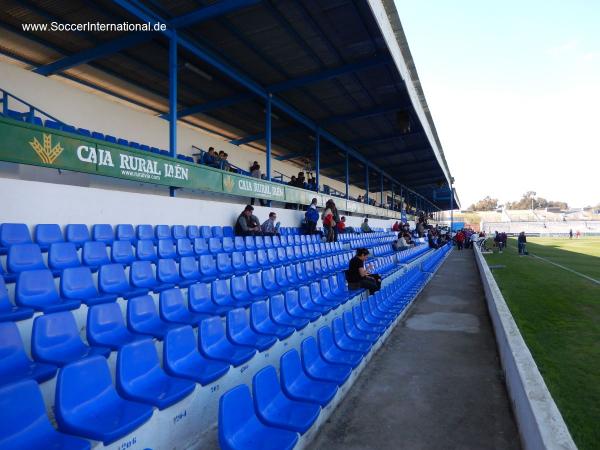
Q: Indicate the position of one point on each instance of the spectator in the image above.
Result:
(522, 243)
(359, 277)
(365, 228)
(433, 240)
(269, 228)
(255, 173)
(460, 239)
(247, 224)
(341, 225)
(401, 243)
(336, 220)
(328, 222)
(571, 234)
(421, 228)
(210, 158)
(359, 199)
(312, 217)
(396, 226)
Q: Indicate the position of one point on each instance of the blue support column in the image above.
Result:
(173, 100)
(347, 176)
(366, 183)
(318, 158)
(451, 208)
(268, 140)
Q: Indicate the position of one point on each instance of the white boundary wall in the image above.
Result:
(540, 423)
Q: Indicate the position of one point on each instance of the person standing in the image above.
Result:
(255, 173)
(571, 233)
(522, 243)
(312, 217)
(328, 222)
(460, 239)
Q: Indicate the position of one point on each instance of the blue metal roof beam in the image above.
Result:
(210, 12)
(288, 85)
(216, 61)
(108, 48)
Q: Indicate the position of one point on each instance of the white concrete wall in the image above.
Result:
(36, 202)
(99, 112)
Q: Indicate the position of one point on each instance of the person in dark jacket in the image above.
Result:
(522, 243)
(247, 224)
(360, 277)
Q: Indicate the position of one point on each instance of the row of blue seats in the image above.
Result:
(47, 234)
(55, 339)
(280, 409)
(436, 259)
(85, 389)
(359, 234)
(36, 289)
(63, 255)
(410, 254)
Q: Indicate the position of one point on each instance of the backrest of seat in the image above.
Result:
(122, 252)
(171, 302)
(95, 254)
(112, 278)
(265, 387)
(63, 255)
(178, 343)
(12, 353)
(145, 232)
(135, 360)
(103, 233)
(162, 232)
(77, 283)
(51, 330)
(178, 232)
(214, 245)
(166, 248)
(125, 232)
(198, 293)
(142, 274)
(235, 408)
(239, 243)
(24, 257)
(228, 231)
(205, 232)
(250, 244)
(36, 287)
(48, 233)
(217, 231)
(13, 233)
(166, 271)
(145, 250)
(228, 245)
(193, 232)
(210, 331)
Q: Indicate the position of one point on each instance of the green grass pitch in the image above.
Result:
(558, 314)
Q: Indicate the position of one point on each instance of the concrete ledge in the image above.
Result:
(540, 423)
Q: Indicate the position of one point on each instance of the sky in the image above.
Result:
(514, 90)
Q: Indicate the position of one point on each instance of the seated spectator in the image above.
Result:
(225, 164)
(359, 277)
(341, 225)
(247, 224)
(269, 228)
(402, 243)
(396, 226)
(210, 158)
(365, 226)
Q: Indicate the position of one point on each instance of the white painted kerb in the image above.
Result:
(541, 425)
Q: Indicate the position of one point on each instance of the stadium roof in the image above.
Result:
(341, 67)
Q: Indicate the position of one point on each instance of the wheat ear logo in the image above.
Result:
(46, 152)
(228, 183)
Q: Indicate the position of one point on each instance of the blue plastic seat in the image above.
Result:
(98, 135)
(122, 252)
(255, 286)
(282, 255)
(274, 408)
(273, 258)
(27, 426)
(281, 278)
(77, 283)
(162, 232)
(36, 289)
(167, 274)
(184, 248)
(141, 275)
(15, 365)
(356, 333)
(22, 257)
(368, 325)
(228, 244)
(55, 340)
(166, 249)
(142, 318)
(317, 296)
(126, 232)
(145, 232)
(249, 243)
(213, 343)
(140, 377)
(261, 322)
(216, 231)
(306, 301)
(11, 234)
(262, 259)
(269, 281)
(47, 234)
(77, 233)
(228, 232)
(239, 244)
(113, 280)
(200, 301)
(281, 316)
(95, 255)
(240, 332)
(214, 245)
(106, 328)
(63, 255)
(188, 271)
(346, 342)
(292, 275)
(224, 265)
(181, 358)
(318, 368)
(259, 242)
(8, 311)
(240, 428)
(239, 291)
(84, 390)
(294, 308)
(123, 142)
(178, 232)
(297, 385)
(201, 246)
(205, 232)
(208, 268)
(173, 309)
(238, 263)
(298, 253)
(193, 232)
(103, 233)
(334, 354)
(145, 250)
(251, 261)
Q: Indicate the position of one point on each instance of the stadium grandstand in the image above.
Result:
(136, 314)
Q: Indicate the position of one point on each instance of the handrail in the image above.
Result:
(32, 109)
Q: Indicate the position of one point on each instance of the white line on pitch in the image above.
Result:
(593, 280)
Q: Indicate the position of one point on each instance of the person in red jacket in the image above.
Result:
(460, 239)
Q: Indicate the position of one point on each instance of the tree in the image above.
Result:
(486, 204)
(530, 200)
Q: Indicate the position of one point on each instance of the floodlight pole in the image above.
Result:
(173, 100)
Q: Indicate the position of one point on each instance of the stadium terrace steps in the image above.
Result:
(174, 339)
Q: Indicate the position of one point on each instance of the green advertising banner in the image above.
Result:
(23, 143)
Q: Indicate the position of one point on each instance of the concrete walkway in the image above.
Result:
(436, 383)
